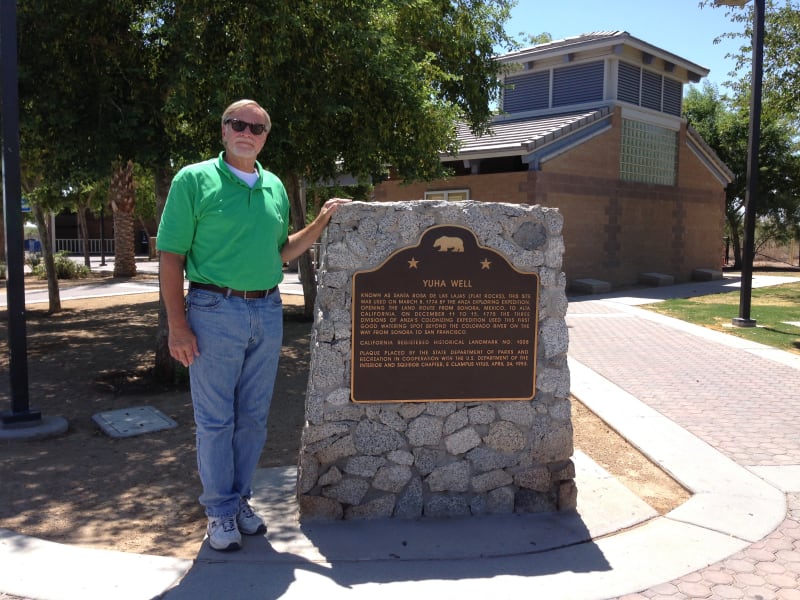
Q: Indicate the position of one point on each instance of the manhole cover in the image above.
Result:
(127, 422)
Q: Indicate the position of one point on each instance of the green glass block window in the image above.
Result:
(649, 153)
(449, 195)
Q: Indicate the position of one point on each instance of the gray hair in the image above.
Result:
(242, 103)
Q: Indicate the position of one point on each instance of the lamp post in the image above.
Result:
(20, 411)
(20, 422)
(753, 144)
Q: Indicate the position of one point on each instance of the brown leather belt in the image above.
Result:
(253, 294)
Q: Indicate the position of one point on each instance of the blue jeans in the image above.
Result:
(232, 381)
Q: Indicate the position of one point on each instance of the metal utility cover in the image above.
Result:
(127, 422)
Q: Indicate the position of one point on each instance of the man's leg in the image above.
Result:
(222, 329)
(256, 384)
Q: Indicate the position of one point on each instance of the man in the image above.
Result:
(225, 223)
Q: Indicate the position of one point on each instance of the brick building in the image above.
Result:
(592, 125)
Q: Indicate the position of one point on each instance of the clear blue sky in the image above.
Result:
(678, 26)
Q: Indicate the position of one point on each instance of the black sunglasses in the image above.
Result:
(237, 125)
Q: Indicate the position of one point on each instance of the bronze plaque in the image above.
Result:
(445, 320)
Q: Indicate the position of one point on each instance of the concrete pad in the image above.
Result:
(643, 557)
(655, 553)
(605, 506)
(36, 568)
(136, 420)
(589, 286)
(786, 479)
(656, 279)
(46, 427)
(706, 274)
(745, 517)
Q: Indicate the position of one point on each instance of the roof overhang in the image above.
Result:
(594, 42)
(521, 137)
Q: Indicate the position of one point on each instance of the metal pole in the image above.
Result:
(102, 237)
(12, 213)
(751, 195)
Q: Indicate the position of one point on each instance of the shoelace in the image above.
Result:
(245, 509)
(228, 524)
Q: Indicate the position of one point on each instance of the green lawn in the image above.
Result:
(773, 308)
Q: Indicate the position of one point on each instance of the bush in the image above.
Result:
(33, 260)
(65, 267)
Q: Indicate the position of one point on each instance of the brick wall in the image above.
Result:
(497, 187)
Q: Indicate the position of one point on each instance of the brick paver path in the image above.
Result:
(746, 406)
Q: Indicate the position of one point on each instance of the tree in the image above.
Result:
(724, 125)
(92, 111)
(781, 53)
(351, 87)
(43, 197)
(536, 40)
(83, 199)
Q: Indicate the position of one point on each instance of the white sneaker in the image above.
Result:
(248, 521)
(223, 534)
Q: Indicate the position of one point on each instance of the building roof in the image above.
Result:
(537, 138)
(600, 39)
(523, 136)
(708, 156)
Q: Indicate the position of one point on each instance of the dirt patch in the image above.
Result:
(611, 451)
(139, 494)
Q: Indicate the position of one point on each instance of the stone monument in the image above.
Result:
(439, 383)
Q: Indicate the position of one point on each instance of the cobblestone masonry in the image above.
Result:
(408, 460)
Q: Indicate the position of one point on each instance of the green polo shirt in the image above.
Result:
(231, 234)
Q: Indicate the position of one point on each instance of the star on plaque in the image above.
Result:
(486, 264)
(412, 264)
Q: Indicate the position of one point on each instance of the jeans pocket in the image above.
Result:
(202, 300)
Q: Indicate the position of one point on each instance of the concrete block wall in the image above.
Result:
(435, 459)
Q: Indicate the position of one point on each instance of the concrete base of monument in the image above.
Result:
(605, 506)
(473, 554)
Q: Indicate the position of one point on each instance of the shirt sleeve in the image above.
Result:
(176, 229)
(285, 215)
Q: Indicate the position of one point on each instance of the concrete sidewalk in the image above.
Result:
(719, 414)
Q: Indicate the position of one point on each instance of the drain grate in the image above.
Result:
(127, 422)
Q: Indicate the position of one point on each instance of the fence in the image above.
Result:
(75, 246)
(779, 254)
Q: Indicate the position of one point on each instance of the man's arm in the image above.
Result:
(182, 342)
(302, 240)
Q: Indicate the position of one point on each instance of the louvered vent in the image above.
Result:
(578, 84)
(651, 90)
(530, 92)
(628, 83)
(673, 93)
